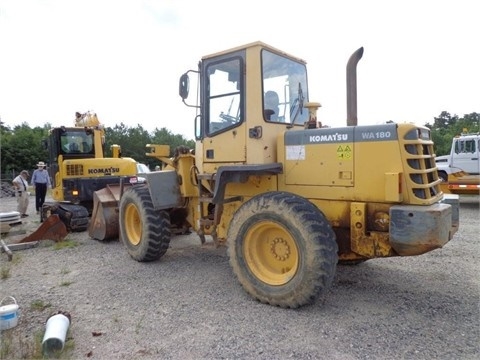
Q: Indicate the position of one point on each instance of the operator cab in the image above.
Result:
(71, 143)
(75, 143)
(68, 144)
(248, 96)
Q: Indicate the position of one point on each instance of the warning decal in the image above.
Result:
(344, 152)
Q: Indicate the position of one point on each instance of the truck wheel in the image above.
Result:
(282, 249)
(143, 230)
(443, 175)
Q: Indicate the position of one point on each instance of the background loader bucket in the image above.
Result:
(104, 220)
(51, 229)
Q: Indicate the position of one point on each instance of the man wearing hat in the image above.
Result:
(40, 181)
(21, 184)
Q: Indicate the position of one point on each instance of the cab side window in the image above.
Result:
(224, 95)
(284, 84)
(465, 146)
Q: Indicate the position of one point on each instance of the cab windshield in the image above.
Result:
(76, 142)
(284, 88)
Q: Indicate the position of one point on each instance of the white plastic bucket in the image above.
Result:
(55, 333)
(8, 314)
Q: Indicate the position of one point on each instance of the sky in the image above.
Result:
(122, 59)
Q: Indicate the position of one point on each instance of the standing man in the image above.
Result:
(21, 184)
(40, 181)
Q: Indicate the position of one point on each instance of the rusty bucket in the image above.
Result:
(51, 229)
(104, 223)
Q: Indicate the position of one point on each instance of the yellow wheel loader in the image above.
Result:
(79, 169)
(290, 197)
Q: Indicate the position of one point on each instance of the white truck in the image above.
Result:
(460, 170)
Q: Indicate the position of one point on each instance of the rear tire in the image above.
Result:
(282, 249)
(143, 230)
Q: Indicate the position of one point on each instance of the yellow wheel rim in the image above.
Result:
(271, 253)
(133, 224)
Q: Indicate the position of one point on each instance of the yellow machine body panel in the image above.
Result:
(92, 171)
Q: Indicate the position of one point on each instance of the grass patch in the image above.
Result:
(5, 272)
(16, 346)
(66, 244)
(39, 305)
(5, 269)
(66, 283)
(17, 259)
(69, 346)
(138, 326)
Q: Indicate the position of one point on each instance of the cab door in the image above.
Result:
(224, 116)
(466, 155)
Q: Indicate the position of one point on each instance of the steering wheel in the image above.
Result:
(229, 119)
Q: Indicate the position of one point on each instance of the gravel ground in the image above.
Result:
(188, 305)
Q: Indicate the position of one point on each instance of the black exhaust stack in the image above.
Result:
(352, 87)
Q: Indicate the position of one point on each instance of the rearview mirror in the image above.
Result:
(184, 86)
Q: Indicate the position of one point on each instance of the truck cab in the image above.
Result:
(464, 156)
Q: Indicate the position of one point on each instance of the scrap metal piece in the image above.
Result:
(7, 250)
(52, 228)
(22, 246)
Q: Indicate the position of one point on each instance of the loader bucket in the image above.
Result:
(51, 229)
(104, 222)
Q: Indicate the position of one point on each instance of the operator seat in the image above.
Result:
(272, 102)
(86, 147)
(74, 148)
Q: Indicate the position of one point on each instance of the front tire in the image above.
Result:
(144, 231)
(282, 249)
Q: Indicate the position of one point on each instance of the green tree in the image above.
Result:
(21, 148)
(133, 141)
(166, 137)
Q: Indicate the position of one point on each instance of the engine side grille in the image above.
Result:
(422, 177)
(75, 170)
